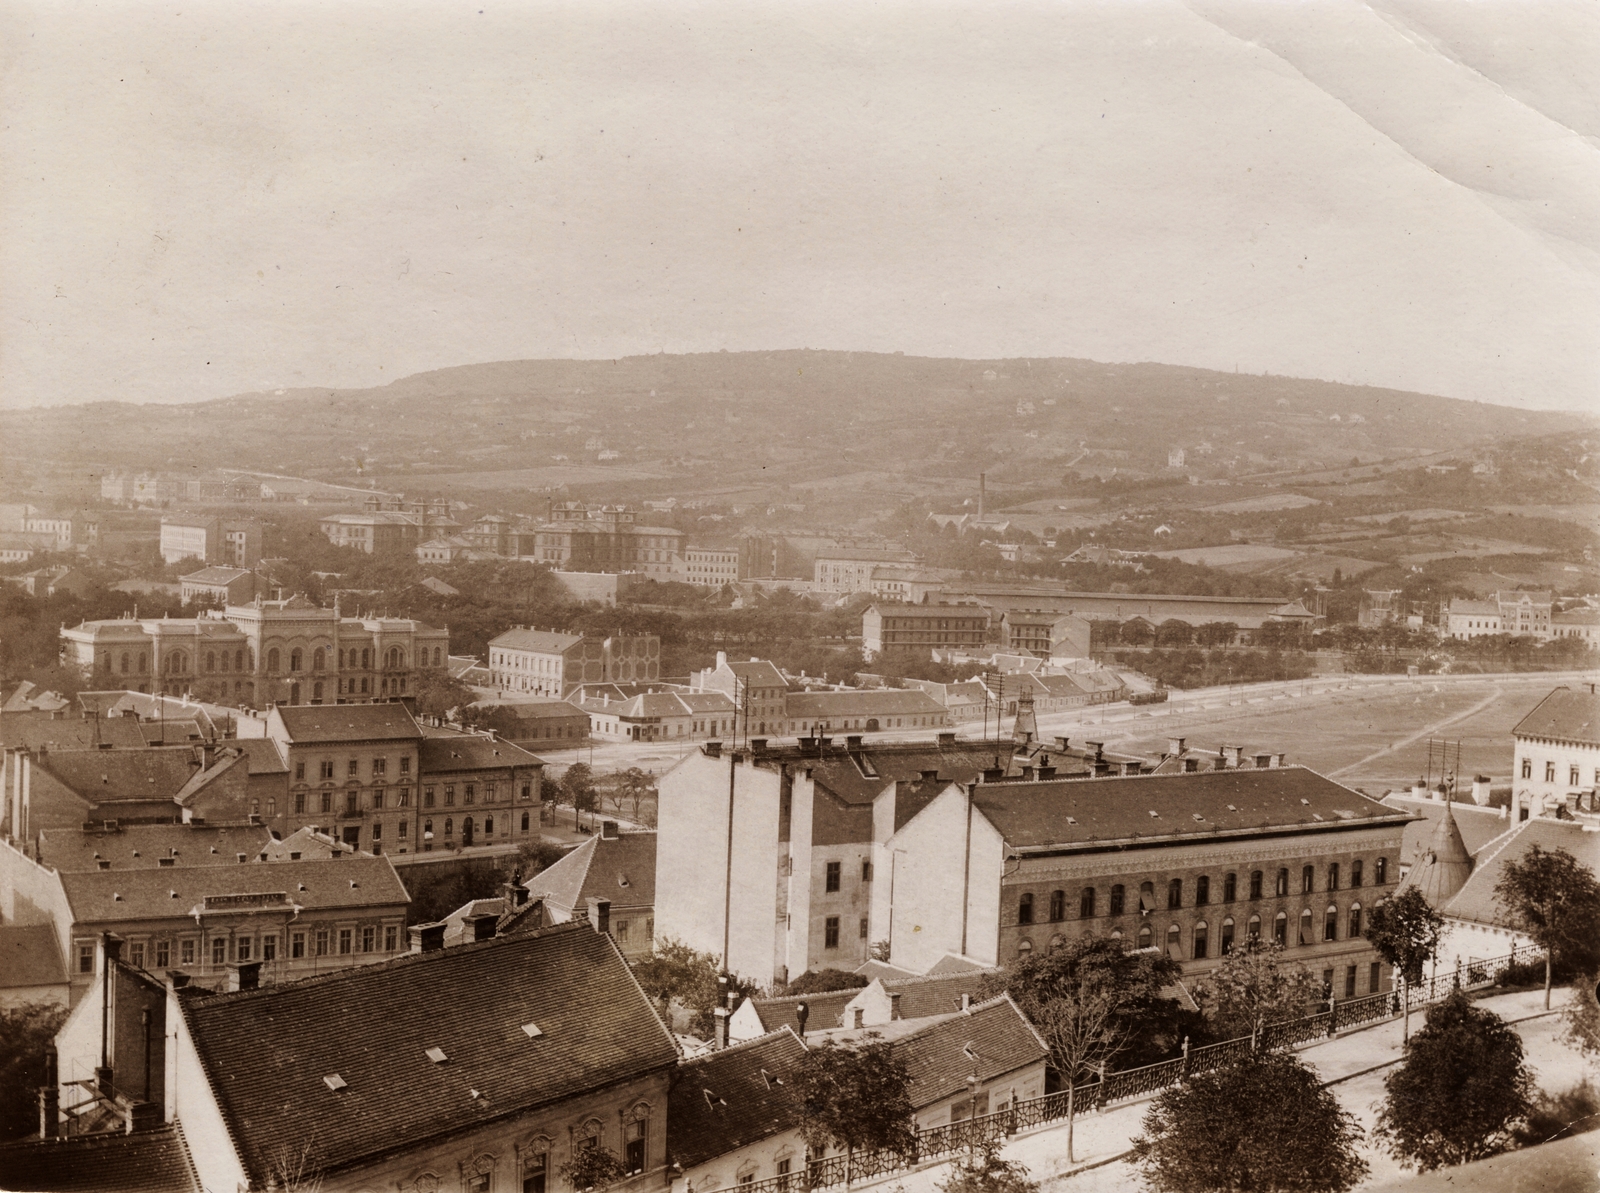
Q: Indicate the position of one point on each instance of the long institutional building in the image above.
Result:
(289, 651)
(961, 848)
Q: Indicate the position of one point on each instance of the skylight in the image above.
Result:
(437, 1056)
(531, 1030)
(334, 1082)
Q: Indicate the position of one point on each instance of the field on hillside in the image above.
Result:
(1375, 740)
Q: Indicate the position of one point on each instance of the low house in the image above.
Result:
(220, 585)
(611, 880)
(483, 1068)
(973, 1062)
(882, 1000)
(733, 1115)
(871, 711)
(548, 724)
(629, 712)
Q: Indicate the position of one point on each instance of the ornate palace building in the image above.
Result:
(289, 651)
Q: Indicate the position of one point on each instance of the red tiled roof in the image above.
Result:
(731, 1098)
(939, 1058)
(266, 1052)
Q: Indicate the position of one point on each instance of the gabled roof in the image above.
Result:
(734, 1097)
(155, 772)
(436, 585)
(107, 896)
(1460, 607)
(621, 869)
(34, 728)
(471, 751)
(1085, 812)
(267, 1053)
(111, 1162)
(822, 1010)
(1476, 902)
(858, 778)
(225, 761)
(141, 846)
(543, 641)
(263, 753)
(992, 1039)
(346, 722)
(214, 575)
(758, 673)
(1566, 714)
(30, 955)
(537, 710)
(936, 994)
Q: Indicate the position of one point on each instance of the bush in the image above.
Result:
(820, 981)
(985, 1172)
(1571, 1112)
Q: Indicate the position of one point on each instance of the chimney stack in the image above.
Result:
(1099, 748)
(608, 830)
(713, 749)
(947, 741)
(758, 745)
(427, 938)
(50, 1098)
(1233, 756)
(1175, 745)
(1480, 790)
(721, 1015)
(246, 975)
(983, 485)
(600, 915)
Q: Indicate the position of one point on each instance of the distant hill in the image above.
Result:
(777, 417)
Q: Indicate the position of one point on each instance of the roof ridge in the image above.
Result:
(939, 977)
(764, 1038)
(852, 990)
(937, 1021)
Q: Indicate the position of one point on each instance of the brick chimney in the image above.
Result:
(427, 938)
(608, 830)
(600, 915)
(246, 975)
(1233, 756)
(1175, 745)
(483, 925)
(713, 749)
(947, 741)
(722, 1015)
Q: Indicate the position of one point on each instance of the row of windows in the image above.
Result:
(1200, 934)
(158, 953)
(1087, 896)
(830, 931)
(1574, 772)
(835, 871)
(352, 768)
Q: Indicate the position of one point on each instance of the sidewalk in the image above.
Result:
(1354, 1065)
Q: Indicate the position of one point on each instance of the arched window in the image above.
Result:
(1145, 935)
(1333, 876)
(1058, 906)
(536, 1165)
(1282, 887)
(449, 826)
(318, 658)
(1086, 903)
(1254, 928)
(1024, 948)
(124, 665)
(1147, 898)
(1174, 893)
(1200, 942)
(1255, 884)
(1308, 879)
(1330, 923)
(222, 661)
(1380, 871)
(1305, 927)
(366, 659)
(524, 822)
(272, 661)
(1116, 934)
(1230, 888)
(238, 660)
(1355, 921)
(1025, 908)
(144, 663)
(1527, 768)
(341, 660)
(272, 806)
(1227, 936)
(316, 691)
(1175, 942)
(295, 659)
(1355, 873)
(1118, 896)
(435, 656)
(1280, 928)
(211, 660)
(397, 658)
(1202, 890)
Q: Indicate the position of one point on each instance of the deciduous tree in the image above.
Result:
(1557, 900)
(593, 1166)
(1254, 985)
(1405, 929)
(855, 1096)
(26, 1032)
(1460, 1090)
(1265, 1125)
(983, 1171)
(577, 789)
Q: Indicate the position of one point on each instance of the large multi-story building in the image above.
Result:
(707, 567)
(923, 628)
(1524, 613)
(851, 569)
(1192, 863)
(1557, 753)
(1583, 624)
(601, 538)
(289, 651)
(211, 540)
(550, 663)
(1466, 619)
(1045, 635)
(758, 691)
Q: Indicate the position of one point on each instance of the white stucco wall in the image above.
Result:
(928, 884)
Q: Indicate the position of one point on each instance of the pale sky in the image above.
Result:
(199, 199)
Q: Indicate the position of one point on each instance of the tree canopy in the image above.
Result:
(855, 1096)
(1460, 1090)
(1265, 1125)
(818, 981)
(1254, 984)
(26, 1032)
(1405, 930)
(1557, 901)
(675, 972)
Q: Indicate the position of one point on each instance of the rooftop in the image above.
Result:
(305, 723)
(874, 703)
(154, 772)
(531, 1021)
(734, 1097)
(991, 1039)
(621, 869)
(471, 751)
(1566, 714)
(1085, 812)
(541, 641)
(215, 575)
(30, 955)
(113, 1162)
(141, 846)
(1476, 901)
(858, 776)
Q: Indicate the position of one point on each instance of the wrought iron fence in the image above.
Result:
(937, 1143)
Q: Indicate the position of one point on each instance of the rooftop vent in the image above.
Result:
(1072, 820)
(1306, 802)
(1231, 808)
(531, 1030)
(334, 1082)
(1199, 817)
(103, 864)
(437, 1056)
(163, 861)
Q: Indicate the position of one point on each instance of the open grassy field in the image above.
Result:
(1375, 740)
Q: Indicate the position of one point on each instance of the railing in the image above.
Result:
(937, 1143)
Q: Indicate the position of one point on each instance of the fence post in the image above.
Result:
(1012, 1128)
(1184, 1072)
(1255, 1037)
(1333, 1015)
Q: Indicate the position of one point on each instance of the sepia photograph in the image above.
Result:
(799, 597)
